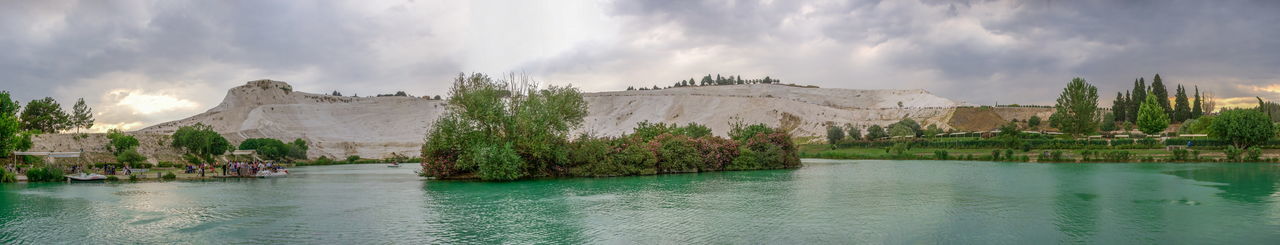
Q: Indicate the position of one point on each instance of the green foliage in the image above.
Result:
(200, 140)
(1151, 118)
(112, 178)
(912, 128)
(1179, 154)
(1033, 122)
(941, 155)
(1182, 109)
(876, 132)
(322, 160)
(1253, 154)
(496, 162)
(81, 115)
(677, 154)
(169, 176)
(741, 132)
(648, 131)
(1161, 94)
(1201, 125)
(353, 158)
(45, 175)
(511, 122)
(835, 134)
(1108, 123)
(133, 178)
(274, 149)
(1233, 153)
(932, 130)
(7, 177)
(166, 164)
(120, 142)
(853, 133)
(130, 156)
(11, 136)
(900, 130)
(899, 149)
(1243, 127)
(1116, 156)
(45, 115)
(1077, 108)
(995, 155)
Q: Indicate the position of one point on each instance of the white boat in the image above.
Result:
(86, 177)
(267, 173)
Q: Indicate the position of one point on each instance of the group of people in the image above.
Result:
(248, 168)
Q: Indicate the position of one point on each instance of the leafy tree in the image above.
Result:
(1243, 127)
(120, 142)
(834, 135)
(853, 133)
(1161, 93)
(1202, 125)
(11, 136)
(1034, 121)
(200, 140)
(1077, 108)
(45, 115)
(1182, 107)
(876, 132)
(1108, 123)
(741, 132)
(502, 130)
(899, 130)
(910, 124)
(81, 115)
(932, 130)
(336, 93)
(1151, 118)
(130, 157)
(1196, 110)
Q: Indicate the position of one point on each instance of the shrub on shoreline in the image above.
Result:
(502, 130)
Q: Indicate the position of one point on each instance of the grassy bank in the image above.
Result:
(1195, 154)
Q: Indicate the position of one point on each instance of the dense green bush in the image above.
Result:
(353, 159)
(1179, 154)
(486, 135)
(7, 177)
(274, 149)
(45, 175)
(941, 155)
(170, 176)
(164, 164)
(1233, 153)
(200, 140)
(1253, 154)
(1116, 156)
(677, 154)
(112, 178)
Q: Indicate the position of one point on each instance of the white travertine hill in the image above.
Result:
(376, 127)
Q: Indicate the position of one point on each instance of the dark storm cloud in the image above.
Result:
(1032, 46)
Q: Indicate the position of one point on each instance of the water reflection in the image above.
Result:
(1244, 182)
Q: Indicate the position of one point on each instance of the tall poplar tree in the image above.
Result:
(1161, 93)
(1118, 107)
(1196, 110)
(1139, 96)
(1182, 107)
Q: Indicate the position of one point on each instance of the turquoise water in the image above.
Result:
(824, 202)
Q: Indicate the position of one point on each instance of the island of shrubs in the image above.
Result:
(510, 129)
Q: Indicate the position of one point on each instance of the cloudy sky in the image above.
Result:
(144, 62)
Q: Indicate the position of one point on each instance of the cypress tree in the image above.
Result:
(1129, 104)
(1161, 93)
(1119, 106)
(1196, 111)
(1182, 109)
(1139, 96)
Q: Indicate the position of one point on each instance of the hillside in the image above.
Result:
(376, 127)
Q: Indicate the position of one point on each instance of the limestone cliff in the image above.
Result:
(376, 127)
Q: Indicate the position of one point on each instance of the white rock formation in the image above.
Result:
(376, 127)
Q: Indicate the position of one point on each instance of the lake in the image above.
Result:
(827, 201)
